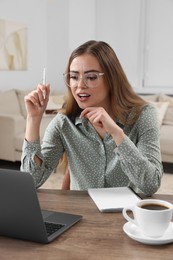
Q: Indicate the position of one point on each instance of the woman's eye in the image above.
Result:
(74, 77)
(91, 77)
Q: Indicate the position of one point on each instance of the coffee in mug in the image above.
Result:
(152, 216)
(153, 206)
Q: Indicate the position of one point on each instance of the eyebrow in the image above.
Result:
(77, 72)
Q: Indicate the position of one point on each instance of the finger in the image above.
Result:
(47, 91)
(83, 113)
(41, 89)
(86, 111)
(31, 98)
(43, 93)
(95, 119)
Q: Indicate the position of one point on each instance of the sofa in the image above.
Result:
(13, 120)
(164, 106)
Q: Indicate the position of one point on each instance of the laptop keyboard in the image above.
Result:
(52, 227)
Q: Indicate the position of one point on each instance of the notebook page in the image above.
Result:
(113, 199)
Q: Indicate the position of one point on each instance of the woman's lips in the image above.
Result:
(83, 96)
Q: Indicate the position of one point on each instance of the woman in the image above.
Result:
(109, 134)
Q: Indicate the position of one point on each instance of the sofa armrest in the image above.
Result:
(18, 122)
(10, 126)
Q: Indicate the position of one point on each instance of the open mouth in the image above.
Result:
(83, 96)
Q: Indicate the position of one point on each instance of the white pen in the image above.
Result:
(44, 76)
(44, 81)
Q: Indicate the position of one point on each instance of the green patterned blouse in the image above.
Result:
(96, 162)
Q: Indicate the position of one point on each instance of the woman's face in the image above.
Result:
(91, 91)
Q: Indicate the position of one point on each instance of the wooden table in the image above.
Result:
(97, 236)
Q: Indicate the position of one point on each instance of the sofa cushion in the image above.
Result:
(44, 123)
(9, 103)
(161, 105)
(161, 108)
(168, 118)
(55, 102)
(18, 141)
(21, 94)
(166, 141)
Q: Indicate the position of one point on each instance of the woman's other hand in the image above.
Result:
(103, 123)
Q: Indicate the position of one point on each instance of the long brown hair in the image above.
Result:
(122, 96)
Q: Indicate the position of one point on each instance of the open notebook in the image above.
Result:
(113, 199)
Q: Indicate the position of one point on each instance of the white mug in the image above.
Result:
(152, 216)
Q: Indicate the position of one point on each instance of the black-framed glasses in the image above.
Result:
(90, 79)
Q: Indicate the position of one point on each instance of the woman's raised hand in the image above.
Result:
(36, 101)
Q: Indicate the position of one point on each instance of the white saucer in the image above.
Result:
(134, 232)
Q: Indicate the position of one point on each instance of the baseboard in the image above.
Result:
(10, 165)
(168, 167)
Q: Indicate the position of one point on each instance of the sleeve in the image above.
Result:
(141, 160)
(50, 152)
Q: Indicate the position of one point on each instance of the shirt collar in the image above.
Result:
(78, 120)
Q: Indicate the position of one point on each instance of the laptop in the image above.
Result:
(20, 213)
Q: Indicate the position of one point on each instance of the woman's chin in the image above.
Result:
(83, 105)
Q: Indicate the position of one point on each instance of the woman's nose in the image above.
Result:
(81, 83)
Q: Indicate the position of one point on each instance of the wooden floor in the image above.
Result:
(55, 180)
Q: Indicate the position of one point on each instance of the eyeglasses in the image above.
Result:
(90, 79)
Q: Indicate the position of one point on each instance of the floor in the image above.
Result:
(55, 180)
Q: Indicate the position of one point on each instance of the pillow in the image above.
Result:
(21, 94)
(55, 102)
(58, 99)
(168, 119)
(161, 108)
(163, 97)
(9, 103)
